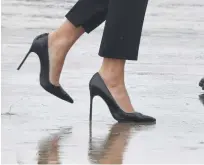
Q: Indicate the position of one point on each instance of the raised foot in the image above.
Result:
(58, 91)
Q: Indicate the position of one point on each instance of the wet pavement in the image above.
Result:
(37, 127)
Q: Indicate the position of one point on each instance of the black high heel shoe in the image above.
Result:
(40, 47)
(201, 83)
(98, 88)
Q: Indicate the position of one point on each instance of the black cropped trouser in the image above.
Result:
(123, 27)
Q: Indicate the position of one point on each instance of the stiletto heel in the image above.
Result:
(19, 67)
(97, 87)
(40, 47)
(92, 95)
(91, 104)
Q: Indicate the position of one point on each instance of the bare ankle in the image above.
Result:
(112, 71)
(67, 33)
(57, 40)
(111, 79)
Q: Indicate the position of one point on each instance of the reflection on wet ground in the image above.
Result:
(111, 149)
(48, 150)
(108, 150)
(163, 83)
(201, 97)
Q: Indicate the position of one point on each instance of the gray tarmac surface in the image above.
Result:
(162, 83)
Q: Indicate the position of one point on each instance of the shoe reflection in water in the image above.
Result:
(201, 83)
(48, 152)
(201, 98)
(111, 151)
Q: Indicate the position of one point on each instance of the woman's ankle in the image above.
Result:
(66, 35)
(55, 41)
(110, 79)
(112, 71)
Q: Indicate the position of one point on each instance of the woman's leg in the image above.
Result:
(59, 43)
(120, 42)
(85, 16)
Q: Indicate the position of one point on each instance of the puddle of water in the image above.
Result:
(163, 83)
